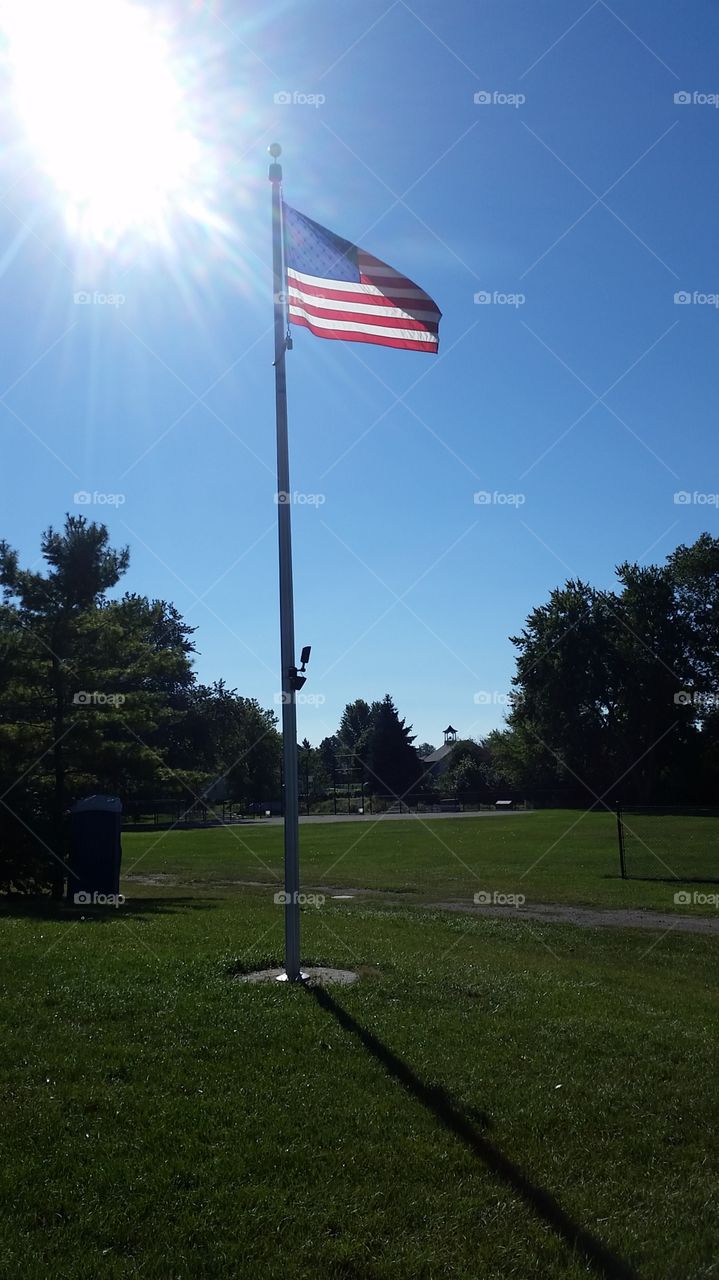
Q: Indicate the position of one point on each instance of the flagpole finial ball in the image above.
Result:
(275, 149)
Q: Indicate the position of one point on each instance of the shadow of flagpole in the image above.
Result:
(446, 1111)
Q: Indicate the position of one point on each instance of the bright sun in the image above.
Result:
(103, 106)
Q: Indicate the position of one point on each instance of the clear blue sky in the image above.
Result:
(403, 583)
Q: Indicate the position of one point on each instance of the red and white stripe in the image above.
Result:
(384, 308)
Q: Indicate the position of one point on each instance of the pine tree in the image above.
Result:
(393, 765)
(86, 683)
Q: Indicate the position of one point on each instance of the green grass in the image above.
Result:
(163, 1120)
(551, 856)
(494, 1098)
(657, 844)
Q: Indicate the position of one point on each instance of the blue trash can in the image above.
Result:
(95, 851)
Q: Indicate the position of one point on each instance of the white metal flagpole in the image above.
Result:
(287, 620)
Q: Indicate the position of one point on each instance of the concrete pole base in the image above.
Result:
(310, 977)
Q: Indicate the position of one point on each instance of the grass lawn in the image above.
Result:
(549, 856)
(492, 1099)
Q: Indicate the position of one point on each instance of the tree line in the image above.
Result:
(615, 696)
(98, 695)
(616, 693)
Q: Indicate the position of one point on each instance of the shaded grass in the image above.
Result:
(163, 1120)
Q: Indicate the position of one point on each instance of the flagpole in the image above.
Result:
(287, 620)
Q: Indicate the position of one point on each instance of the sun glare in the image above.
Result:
(102, 103)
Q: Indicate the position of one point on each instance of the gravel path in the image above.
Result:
(592, 917)
(546, 912)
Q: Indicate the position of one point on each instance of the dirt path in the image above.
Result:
(162, 879)
(546, 912)
(592, 917)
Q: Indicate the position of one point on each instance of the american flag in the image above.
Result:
(339, 291)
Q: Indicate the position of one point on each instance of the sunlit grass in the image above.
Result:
(552, 856)
(162, 1119)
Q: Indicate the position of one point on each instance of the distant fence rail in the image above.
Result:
(181, 813)
(165, 813)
